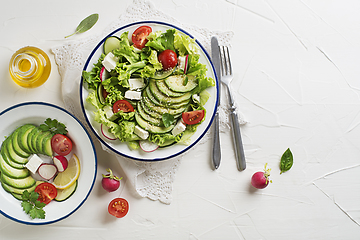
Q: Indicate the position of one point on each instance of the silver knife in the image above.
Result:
(215, 57)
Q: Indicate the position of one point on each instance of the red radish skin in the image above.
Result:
(148, 146)
(105, 132)
(186, 63)
(47, 171)
(110, 182)
(103, 74)
(60, 162)
(260, 180)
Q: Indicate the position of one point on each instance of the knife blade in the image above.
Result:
(216, 151)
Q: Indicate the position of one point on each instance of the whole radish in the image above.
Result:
(261, 179)
(110, 182)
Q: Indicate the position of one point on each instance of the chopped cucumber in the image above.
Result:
(165, 100)
(5, 168)
(176, 83)
(111, 43)
(63, 194)
(163, 74)
(151, 128)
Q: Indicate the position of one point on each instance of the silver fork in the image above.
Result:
(226, 77)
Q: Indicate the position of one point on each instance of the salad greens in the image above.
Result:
(143, 63)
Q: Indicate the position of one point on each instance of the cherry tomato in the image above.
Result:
(61, 144)
(122, 105)
(139, 36)
(193, 117)
(168, 59)
(46, 191)
(118, 207)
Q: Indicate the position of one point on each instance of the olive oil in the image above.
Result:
(30, 67)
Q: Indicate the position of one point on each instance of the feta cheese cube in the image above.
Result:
(109, 112)
(181, 62)
(34, 163)
(141, 132)
(136, 83)
(133, 95)
(109, 61)
(196, 98)
(179, 128)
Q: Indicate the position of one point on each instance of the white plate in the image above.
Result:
(161, 153)
(36, 113)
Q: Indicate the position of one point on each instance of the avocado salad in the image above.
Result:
(150, 87)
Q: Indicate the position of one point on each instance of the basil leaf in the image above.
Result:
(86, 24)
(168, 119)
(286, 161)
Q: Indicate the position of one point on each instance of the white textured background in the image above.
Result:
(297, 69)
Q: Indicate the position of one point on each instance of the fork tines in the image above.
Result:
(226, 68)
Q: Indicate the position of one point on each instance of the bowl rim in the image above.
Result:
(95, 162)
(216, 86)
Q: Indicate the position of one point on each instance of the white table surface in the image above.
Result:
(297, 83)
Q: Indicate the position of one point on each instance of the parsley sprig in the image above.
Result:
(53, 126)
(32, 206)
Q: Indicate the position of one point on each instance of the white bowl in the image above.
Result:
(36, 113)
(121, 148)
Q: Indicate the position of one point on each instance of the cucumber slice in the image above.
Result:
(15, 143)
(46, 145)
(154, 100)
(100, 96)
(63, 194)
(11, 189)
(21, 183)
(161, 110)
(151, 128)
(40, 139)
(30, 137)
(176, 83)
(12, 172)
(148, 111)
(12, 154)
(111, 43)
(147, 117)
(163, 74)
(165, 100)
(23, 136)
(5, 156)
(167, 91)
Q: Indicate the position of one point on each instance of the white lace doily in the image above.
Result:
(150, 179)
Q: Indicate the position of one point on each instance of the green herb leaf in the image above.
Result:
(27, 206)
(186, 79)
(33, 197)
(32, 206)
(286, 161)
(86, 24)
(167, 119)
(39, 204)
(53, 126)
(26, 195)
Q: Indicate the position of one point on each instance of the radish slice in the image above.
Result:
(148, 146)
(47, 171)
(60, 162)
(183, 63)
(186, 63)
(106, 133)
(103, 74)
